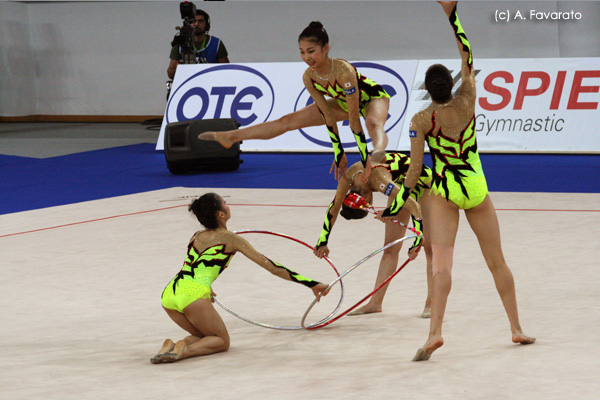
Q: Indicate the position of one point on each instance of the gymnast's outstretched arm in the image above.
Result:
(344, 185)
(464, 48)
(242, 245)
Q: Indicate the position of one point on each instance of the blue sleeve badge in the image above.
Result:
(350, 91)
(388, 189)
(412, 133)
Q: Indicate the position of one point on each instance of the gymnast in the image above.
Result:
(352, 95)
(386, 178)
(187, 298)
(448, 126)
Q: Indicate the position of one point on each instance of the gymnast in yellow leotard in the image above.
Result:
(448, 126)
(187, 297)
(386, 178)
(351, 95)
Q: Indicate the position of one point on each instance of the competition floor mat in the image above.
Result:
(81, 311)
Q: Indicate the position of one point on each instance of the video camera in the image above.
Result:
(185, 38)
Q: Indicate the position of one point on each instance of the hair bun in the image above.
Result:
(314, 32)
(316, 24)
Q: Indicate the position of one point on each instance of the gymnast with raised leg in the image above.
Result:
(448, 126)
(386, 178)
(187, 298)
(352, 95)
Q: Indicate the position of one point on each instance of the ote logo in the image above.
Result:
(216, 92)
(393, 84)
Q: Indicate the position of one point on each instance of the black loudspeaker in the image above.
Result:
(185, 153)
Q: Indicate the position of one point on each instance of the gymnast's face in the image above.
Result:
(225, 209)
(312, 53)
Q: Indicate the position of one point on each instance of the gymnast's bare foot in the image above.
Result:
(167, 347)
(522, 338)
(174, 354)
(169, 357)
(366, 309)
(426, 312)
(220, 137)
(425, 352)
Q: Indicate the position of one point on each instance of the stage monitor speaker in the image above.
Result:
(185, 153)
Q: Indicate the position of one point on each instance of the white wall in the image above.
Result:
(110, 58)
(17, 76)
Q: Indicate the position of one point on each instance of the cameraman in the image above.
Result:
(206, 48)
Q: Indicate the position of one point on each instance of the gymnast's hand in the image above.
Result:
(321, 251)
(339, 171)
(448, 6)
(413, 208)
(319, 290)
(379, 216)
(413, 252)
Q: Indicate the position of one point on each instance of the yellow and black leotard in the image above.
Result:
(194, 281)
(368, 90)
(202, 268)
(458, 173)
(397, 164)
(339, 87)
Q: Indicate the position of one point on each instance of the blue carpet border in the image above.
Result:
(30, 183)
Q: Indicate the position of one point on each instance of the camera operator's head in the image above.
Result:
(201, 24)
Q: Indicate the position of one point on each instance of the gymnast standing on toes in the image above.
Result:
(448, 126)
(352, 95)
(385, 178)
(187, 298)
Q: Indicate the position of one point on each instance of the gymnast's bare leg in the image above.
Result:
(208, 333)
(443, 221)
(484, 222)
(424, 201)
(387, 265)
(376, 114)
(390, 258)
(303, 118)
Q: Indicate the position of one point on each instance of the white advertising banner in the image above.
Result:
(253, 93)
(526, 105)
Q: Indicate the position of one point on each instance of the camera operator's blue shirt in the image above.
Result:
(209, 50)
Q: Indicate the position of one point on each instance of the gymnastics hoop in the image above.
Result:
(230, 311)
(321, 324)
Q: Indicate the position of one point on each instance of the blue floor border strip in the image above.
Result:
(29, 183)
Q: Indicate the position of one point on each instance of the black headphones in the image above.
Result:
(206, 18)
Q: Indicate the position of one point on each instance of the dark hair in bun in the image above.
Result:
(205, 208)
(438, 82)
(315, 32)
